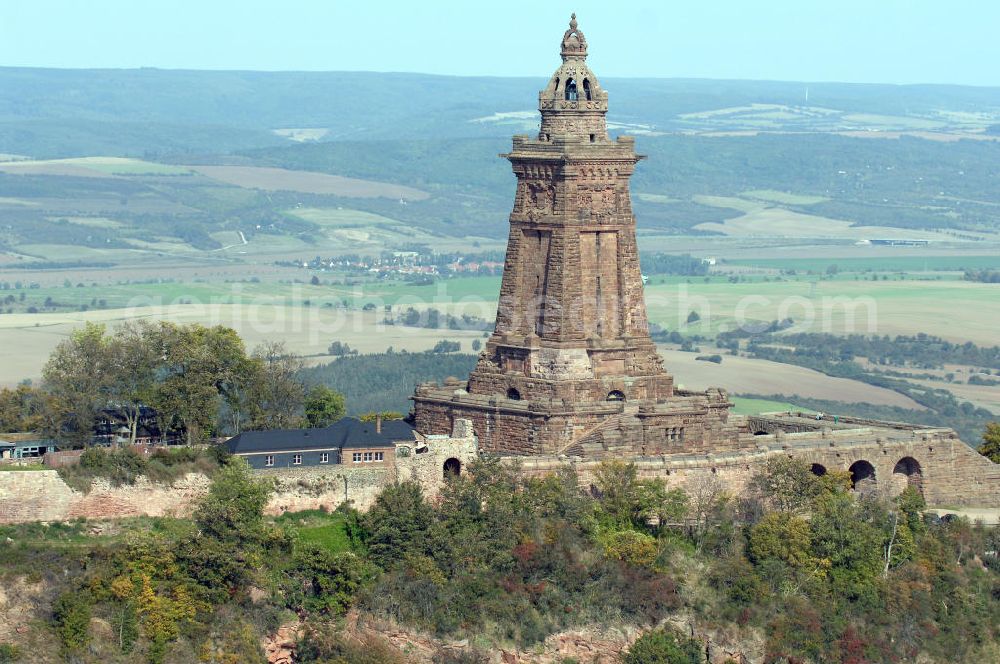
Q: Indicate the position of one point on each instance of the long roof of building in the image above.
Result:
(346, 433)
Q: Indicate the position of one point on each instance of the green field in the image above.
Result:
(878, 263)
(326, 529)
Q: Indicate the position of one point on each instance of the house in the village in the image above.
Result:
(348, 441)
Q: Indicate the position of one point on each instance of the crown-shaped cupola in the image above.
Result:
(573, 103)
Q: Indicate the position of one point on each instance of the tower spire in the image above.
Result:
(573, 103)
(574, 44)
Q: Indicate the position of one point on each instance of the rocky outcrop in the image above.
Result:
(595, 644)
(279, 648)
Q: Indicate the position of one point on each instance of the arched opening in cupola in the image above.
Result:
(586, 89)
(571, 94)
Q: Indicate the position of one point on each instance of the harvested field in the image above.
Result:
(746, 375)
(99, 167)
(280, 179)
(778, 222)
(27, 339)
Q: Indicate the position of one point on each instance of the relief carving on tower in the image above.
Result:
(539, 199)
(600, 201)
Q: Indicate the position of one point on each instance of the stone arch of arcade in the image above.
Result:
(885, 469)
(907, 472)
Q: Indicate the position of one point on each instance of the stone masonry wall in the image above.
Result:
(41, 495)
(950, 472)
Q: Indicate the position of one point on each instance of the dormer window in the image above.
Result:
(571, 90)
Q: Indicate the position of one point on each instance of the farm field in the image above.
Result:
(280, 179)
(752, 376)
(910, 264)
(936, 303)
(355, 231)
(27, 339)
(983, 396)
(91, 167)
(764, 218)
(953, 309)
(781, 223)
(748, 406)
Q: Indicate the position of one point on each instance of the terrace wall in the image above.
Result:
(41, 495)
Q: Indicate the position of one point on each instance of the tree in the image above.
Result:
(274, 393)
(338, 349)
(619, 500)
(853, 546)
(331, 580)
(23, 408)
(200, 366)
(132, 358)
(324, 406)
(445, 346)
(991, 442)
(233, 510)
(786, 484)
(628, 501)
(782, 536)
(398, 524)
(77, 375)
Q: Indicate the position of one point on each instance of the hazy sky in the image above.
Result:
(890, 41)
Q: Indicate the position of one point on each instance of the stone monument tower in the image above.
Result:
(571, 359)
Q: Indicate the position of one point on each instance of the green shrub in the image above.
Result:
(71, 620)
(664, 647)
(9, 653)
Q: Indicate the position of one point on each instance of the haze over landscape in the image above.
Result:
(818, 225)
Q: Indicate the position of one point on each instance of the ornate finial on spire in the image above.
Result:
(574, 45)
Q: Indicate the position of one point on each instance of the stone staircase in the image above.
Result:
(604, 439)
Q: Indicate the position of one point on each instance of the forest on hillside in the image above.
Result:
(799, 568)
(385, 381)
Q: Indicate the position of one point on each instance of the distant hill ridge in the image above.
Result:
(182, 105)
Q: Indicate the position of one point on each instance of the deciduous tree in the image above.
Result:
(323, 406)
(991, 442)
